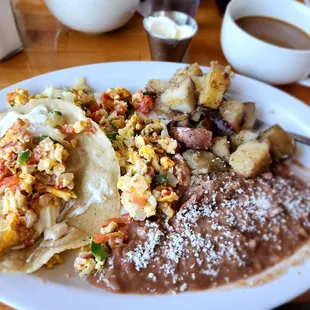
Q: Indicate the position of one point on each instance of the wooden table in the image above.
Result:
(51, 46)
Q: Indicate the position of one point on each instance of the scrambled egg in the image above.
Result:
(168, 144)
(143, 147)
(18, 96)
(13, 202)
(53, 154)
(142, 161)
(32, 177)
(84, 266)
(54, 260)
(79, 126)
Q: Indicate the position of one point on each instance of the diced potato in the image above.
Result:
(251, 158)
(242, 137)
(233, 113)
(180, 98)
(281, 143)
(212, 86)
(162, 109)
(221, 148)
(194, 138)
(249, 117)
(157, 86)
(188, 71)
(203, 162)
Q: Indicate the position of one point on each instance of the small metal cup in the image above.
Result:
(165, 49)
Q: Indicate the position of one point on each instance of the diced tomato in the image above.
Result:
(145, 105)
(68, 130)
(123, 219)
(93, 107)
(107, 101)
(138, 200)
(9, 182)
(11, 97)
(96, 117)
(120, 109)
(166, 192)
(89, 130)
(102, 238)
(16, 132)
(35, 157)
(4, 171)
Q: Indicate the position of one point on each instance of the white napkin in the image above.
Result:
(10, 42)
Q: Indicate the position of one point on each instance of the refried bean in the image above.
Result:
(228, 228)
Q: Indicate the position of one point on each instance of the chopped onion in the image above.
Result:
(172, 180)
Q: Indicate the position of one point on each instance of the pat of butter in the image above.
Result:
(167, 28)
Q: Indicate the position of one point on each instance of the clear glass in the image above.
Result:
(189, 7)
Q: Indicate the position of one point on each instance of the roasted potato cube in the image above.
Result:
(251, 158)
(221, 148)
(194, 138)
(233, 113)
(157, 86)
(180, 98)
(212, 86)
(188, 71)
(282, 145)
(242, 137)
(203, 162)
(249, 117)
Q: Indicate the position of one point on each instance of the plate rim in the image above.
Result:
(31, 80)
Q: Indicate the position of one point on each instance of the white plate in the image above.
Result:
(58, 292)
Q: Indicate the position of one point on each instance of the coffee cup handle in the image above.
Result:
(305, 82)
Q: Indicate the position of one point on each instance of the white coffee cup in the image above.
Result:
(258, 59)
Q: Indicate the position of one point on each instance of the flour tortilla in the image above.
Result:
(93, 163)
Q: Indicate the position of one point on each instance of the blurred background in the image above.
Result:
(49, 45)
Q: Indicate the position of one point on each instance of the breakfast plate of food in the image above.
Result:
(152, 183)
